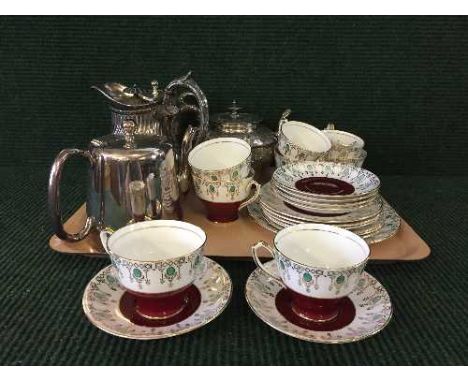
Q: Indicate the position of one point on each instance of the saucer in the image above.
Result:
(326, 181)
(370, 299)
(103, 296)
(270, 199)
(389, 221)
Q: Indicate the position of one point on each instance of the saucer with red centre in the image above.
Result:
(373, 309)
(103, 297)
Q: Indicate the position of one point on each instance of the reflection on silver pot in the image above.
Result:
(131, 178)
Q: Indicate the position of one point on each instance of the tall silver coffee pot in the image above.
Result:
(139, 170)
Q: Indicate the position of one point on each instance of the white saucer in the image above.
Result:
(269, 199)
(102, 295)
(364, 182)
(389, 220)
(371, 300)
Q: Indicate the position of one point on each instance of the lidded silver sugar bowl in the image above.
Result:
(139, 171)
(249, 127)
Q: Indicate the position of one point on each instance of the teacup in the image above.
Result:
(298, 141)
(343, 138)
(319, 264)
(222, 177)
(157, 261)
(346, 147)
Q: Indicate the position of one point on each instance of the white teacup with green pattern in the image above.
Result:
(298, 141)
(346, 147)
(319, 264)
(222, 177)
(156, 261)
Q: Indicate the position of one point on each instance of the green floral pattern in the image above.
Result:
(294, 153)
(226, 184)
(164, 272)
(307, 280)
(345, 154)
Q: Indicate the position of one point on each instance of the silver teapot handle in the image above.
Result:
(183, 165)
(189, 83)
(55, 209)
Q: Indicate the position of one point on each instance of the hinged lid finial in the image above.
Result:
(234, 110)
(155, 88)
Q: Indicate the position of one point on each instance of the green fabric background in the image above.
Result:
(398, 82)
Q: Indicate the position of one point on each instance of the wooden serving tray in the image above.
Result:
(233, 240)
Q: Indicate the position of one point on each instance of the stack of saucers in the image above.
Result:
(323, 192)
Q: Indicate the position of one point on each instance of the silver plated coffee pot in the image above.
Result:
(139, 171)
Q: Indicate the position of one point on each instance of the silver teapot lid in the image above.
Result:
(246, 126)
(130, 97)
(235, 122)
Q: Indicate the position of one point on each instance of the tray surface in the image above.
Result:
(234, 239)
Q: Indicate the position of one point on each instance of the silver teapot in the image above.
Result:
(139, 171)
(249, 127)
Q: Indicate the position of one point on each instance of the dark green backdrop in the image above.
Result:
(399, 82)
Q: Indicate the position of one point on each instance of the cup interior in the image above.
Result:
(220, 153)
(344, 138)
(306, 136)
(156, 240)
(321, 246)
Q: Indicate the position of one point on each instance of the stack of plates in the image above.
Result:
(324, 192)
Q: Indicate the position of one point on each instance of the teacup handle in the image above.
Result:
(254, 249)
(252, 198)
(283, 120)
(105, 234)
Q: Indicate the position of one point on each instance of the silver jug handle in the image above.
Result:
(183, 165)
(189, 83)
(55, 209)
